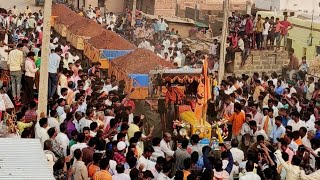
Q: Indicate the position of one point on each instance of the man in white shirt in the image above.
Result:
(268, 122)
(54, 62)
(31, 22)
(162, 27)
(62, 138)
(310, 88)
(250, 175)
(42, 132)
(120, 173)
(144, 159)
(157, 150)
(77, 117)
(257, 130)
(15, 62)
(84, 122)
(53, 121)
(80, 144)
(144, 44)
(165, 145)
(241, 44)
(295, 122)
(237, 154)
(60, 109)
(177, 59)
(164, 175)
(304, 137)
(278, 130)
(214, 47)
(310, 123)
(179, 44)
(166, 44)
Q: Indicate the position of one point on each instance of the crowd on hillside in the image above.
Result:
(93, 131)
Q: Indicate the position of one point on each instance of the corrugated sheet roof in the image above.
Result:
(23, 159)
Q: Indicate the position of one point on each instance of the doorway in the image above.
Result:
(289, 43)
(304, 51)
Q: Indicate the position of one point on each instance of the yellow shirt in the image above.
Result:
(259, 26)
(15, 60)
(23, 125)
(102, 175)
(257, 92)
(132, 129)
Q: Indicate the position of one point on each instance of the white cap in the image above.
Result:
(121, 146)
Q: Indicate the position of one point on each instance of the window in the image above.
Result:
(318, 50)
(304, 51)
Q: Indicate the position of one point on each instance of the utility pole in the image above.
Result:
(134, 9)
(195, 10)
(45, 51)
(225, 30)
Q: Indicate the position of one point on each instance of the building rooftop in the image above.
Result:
(23, 159)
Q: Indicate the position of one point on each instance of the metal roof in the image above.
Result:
(23, 159)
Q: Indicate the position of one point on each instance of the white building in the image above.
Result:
(299, 6)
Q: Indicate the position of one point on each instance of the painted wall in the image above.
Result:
(115, 6)
(300, 34)
(290, 5)
(269, 4)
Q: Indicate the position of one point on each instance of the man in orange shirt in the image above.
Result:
(93, 167)
(237, 119)
(103, 174)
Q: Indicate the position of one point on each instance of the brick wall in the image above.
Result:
(213, 5)
(165, 7)
(260, 61)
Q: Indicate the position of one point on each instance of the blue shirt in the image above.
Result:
(200, 162)
(277, 132)
(284, 121)
(318, 135)
(279, 90)
(155, 27)
(54, 61)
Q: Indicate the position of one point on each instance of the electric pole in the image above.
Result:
(45, 51)
(224, 36)
(134, 9)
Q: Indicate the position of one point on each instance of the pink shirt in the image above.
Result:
(279, 26)
(285, 25)
(249, 26)
(290, 153)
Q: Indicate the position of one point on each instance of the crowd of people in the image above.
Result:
(247, 32)
(145, 32)
(92, 131)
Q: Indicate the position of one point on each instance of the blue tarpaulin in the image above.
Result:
(112, 54)
(141, 80)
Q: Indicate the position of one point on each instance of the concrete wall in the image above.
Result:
(115, 6)
(182, 28)
(261, 61)
(269, 4)
(93, 3)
